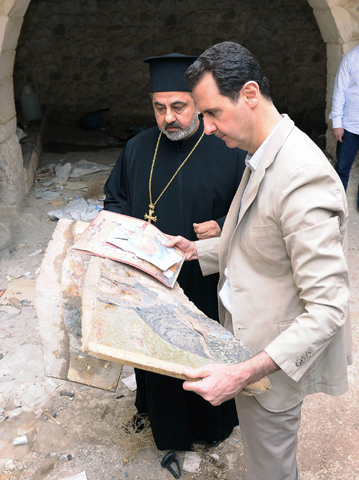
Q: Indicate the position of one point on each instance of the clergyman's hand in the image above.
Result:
(208, 229)
(338, 134)
(186, 246)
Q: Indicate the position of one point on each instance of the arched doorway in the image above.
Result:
(339, 26)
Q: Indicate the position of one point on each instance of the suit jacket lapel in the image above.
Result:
(235, 216)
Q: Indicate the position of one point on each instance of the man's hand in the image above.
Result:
(221, 382)
(208, 229)
(338, 134)
(187, 247)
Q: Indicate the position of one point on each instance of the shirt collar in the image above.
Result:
(252, 161)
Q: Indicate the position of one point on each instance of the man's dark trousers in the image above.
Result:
(346, 153)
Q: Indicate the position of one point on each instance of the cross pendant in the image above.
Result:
(149, 216)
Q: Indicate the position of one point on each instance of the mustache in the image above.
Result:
(173, 124)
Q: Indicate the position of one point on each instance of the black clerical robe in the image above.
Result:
(202, 190)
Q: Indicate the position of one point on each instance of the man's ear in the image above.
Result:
(251, 93)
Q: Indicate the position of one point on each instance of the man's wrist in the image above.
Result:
(192, 254)
(260, 366)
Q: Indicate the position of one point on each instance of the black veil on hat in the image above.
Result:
(167, 72)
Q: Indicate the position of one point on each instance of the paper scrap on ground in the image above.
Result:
(47, 195)
(79, 476)
(75, 185)
(130, 382)
(83, 167)
(145, 247)
(62, 174)
(20, 440)
(191, 462)
(36, 252)
(76, 210)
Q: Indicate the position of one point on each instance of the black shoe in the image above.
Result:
(214, 443)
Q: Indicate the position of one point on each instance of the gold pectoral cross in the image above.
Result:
(149, 216)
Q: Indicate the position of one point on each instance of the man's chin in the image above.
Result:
(174, 135)
(228, 141)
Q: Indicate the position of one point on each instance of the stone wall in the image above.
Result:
(83, 55)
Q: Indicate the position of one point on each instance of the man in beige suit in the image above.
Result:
(284, 286)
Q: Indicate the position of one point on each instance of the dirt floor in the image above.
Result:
(86, 438)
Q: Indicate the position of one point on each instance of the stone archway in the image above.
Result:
(338, 21)
(12, 185)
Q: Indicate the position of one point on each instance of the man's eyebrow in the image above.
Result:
(209, 110)
(176, 103)
(179, 102)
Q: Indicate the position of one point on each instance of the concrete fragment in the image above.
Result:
(191, 462)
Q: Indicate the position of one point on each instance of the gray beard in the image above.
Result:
(184, 132)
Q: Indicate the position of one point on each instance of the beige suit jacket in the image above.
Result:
(287, 268)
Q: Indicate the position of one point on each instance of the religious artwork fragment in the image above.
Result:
(132, 241)
(58, 301)
(96, 314)
(130, 318)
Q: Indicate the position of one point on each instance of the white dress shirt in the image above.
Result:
(345, 109)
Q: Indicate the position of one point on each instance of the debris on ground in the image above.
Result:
(78, 209)
(47, 194)
(191, 462)
(62, 174)
(83, 167)
(130, 382)
(79, 476)
(20, 440)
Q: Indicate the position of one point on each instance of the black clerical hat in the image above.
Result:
(167, 72)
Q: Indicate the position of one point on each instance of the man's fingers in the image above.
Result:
(193, 372)
(172, 241)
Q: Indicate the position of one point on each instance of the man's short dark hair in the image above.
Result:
(232, 66)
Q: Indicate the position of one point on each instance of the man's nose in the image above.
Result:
(209, 127)
(169, 117)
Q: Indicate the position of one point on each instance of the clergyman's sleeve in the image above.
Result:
(116, 188)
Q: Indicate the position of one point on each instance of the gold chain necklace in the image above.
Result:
(149, 216)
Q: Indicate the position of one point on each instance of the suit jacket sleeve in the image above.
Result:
(116, 188)
(207, 251)
(313, 238)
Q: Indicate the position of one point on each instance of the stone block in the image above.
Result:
(12, 188)
(335, 24)
(14, 7)
(7, 58)
(324, 4)
(11, 33)
(334, 55)
(7, 106)
(7, 130)
(346, 23)
(20, 8)
(327, 25)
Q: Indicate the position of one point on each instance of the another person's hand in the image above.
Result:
(338, 134)
(220, 382)
(186, 246)
(208, 229)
